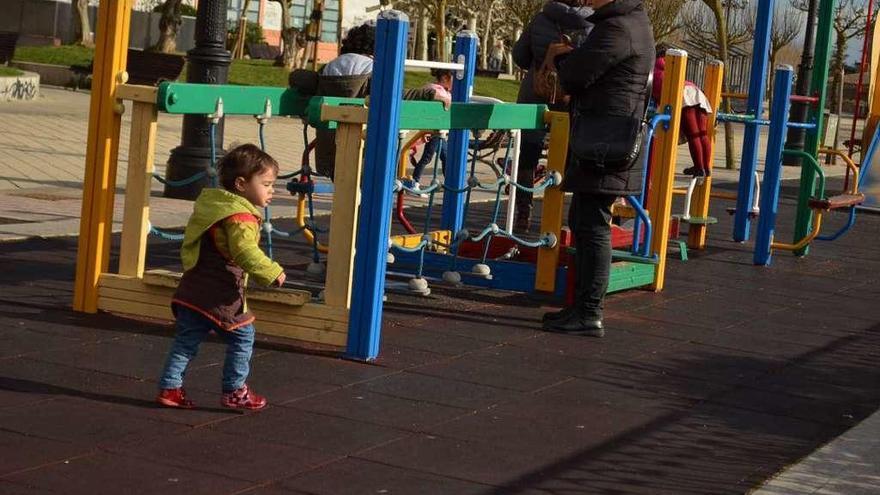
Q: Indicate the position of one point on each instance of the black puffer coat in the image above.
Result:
(608, 75)
(528, 52)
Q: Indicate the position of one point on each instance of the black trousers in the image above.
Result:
(529, 153)
(589, 218)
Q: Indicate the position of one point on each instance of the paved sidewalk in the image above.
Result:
(848, 465)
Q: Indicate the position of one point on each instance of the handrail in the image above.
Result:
(851, 169)
(814, 232)
(808, 158)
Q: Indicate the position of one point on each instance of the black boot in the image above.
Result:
(558, 315)
(577, 324)
(522, 218)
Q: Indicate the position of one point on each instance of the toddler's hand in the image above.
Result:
(280, 280)
(447, 102)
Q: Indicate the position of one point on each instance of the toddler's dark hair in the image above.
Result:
(360, 39)
(246, 161)
(438, 73)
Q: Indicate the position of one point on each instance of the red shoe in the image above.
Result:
(243, 398)
(174, 397)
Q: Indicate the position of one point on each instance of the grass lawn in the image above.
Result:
(58, 55)
(9, 71)
(251, 72)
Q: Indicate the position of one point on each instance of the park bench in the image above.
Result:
(7, 46)
(143, 67)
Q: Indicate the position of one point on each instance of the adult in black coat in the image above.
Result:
(606, 76)
(556, 18)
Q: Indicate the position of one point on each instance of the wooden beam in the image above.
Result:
(344, 213)
(137, 93)
(553, 208)
(136, 216)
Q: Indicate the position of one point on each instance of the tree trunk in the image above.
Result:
(238, 47)
(721, 38)
(441, 30)
(423, 34)
(83, 27)
(288, 38)
(487, 41)
(169, 26)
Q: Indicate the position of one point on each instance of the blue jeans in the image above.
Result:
(428, 155)
(192, 328)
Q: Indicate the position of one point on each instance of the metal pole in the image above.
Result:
(795, 139)
(207, 63)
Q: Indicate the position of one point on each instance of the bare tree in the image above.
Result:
(169, 26)
(665, 17)
(785, 27)
(83, 26)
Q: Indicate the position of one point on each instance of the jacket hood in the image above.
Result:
(567, 17)
(615, 8)
(210, 207)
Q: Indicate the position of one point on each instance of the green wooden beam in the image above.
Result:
(201, 99)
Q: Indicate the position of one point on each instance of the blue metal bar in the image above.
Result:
(868, 157)
(843, 230)
(802, 125)
(452, 217)
(643, 215)
(371, 245)
(773, 166)
(646, 158)
(757, 83)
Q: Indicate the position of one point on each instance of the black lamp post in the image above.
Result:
(207, 63)
(798, 112)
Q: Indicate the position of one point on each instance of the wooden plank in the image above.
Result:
(263, 311)
(294, 328)
(344, 114)
(665, 151)
(137, 93)
(344, 215)
(136, 216)
(713, 76)
(293, 297)
(310, 310)
(552, 210)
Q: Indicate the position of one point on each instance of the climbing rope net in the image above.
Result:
(302, 183)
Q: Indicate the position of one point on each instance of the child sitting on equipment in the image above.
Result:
(220, 249)
(442, 87)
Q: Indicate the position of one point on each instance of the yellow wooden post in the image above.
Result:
(102, 143)
(712, 78)
(552, 204)
(344, 213)
(663, 162)
(135, 221)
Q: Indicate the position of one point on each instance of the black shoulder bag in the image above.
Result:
(611, 143)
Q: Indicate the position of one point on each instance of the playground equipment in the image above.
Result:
(350, 314)
(819, 205)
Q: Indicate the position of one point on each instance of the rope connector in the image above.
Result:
(218, 112)
(267, 113)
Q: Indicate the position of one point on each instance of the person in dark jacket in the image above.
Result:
(557, 18)
(606, 76)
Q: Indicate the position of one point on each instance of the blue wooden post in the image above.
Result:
(760, 55)
(380, 165)
(457, 156)
(773, 164)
